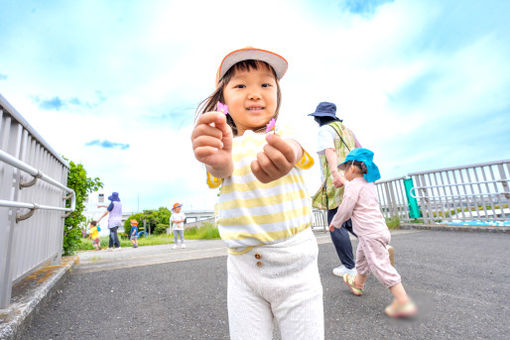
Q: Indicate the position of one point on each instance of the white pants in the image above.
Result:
(277, 282)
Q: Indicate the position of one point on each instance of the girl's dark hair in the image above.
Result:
(324, 120)
(359, 165)
(209, 104)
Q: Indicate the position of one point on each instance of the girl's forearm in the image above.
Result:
(343, 213)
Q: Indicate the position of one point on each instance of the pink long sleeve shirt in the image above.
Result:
(360, 203)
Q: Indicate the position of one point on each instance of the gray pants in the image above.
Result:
(179, 233)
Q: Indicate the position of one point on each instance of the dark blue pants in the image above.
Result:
(114, 238)
(341, 241)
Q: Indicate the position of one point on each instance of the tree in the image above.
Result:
(82, 185)
(152, 219)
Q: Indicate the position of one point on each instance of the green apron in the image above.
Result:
(328, 196)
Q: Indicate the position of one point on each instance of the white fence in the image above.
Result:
(464, 193)
(393, 199)
(33, 196)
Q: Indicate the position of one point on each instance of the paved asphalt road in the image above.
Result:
(459, 280)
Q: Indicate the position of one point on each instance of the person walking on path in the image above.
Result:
(335, 141)
(264, 211)
(114, 210)
(360, 202)
(133, 234)
(177, 222)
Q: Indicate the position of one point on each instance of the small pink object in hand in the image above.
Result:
(223, 108)
(331, 228)
(271, 125)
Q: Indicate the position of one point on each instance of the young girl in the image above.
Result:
(177, 220)
(264, 211)
(361, 205)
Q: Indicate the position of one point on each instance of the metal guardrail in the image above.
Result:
(472, 192)
(320, 220)
(37, 174)
(463, 193)
(32, 176)
(392, 198)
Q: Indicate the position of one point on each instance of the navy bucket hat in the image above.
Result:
(114, 197)
(366, 156)
(325, 109)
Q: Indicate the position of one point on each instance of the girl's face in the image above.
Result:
(251, 96)
(351, 172)
(178, 209)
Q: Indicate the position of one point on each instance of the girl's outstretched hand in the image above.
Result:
(277, 159)
(212, 143)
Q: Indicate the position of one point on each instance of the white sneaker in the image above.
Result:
(352, 271)
(183, 245)
(341, 270)
(174, 246)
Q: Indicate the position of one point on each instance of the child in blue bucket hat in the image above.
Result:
(360, 203)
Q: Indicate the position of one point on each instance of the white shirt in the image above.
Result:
(177, 217)
(326, 138)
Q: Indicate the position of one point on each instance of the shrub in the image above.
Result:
(393, 223)
(82, 185)
(127, 224)
(160, 228)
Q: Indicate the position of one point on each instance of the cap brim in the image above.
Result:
(277, 62)
(341, 166)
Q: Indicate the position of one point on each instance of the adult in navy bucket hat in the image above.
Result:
(325, 109)
(335, 141)
(114, 210)
(114, 197)
(366, 156)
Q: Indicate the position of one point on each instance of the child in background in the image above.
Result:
(361, 205)
(264, 211)
(177, 222)
(134, 233)
(94, 235)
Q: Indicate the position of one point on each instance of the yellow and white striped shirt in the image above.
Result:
(251, 213)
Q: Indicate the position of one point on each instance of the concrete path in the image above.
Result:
(460, 281)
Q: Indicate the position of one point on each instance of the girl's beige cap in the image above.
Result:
(276, 61)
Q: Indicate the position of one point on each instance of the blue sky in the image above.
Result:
(114, 85)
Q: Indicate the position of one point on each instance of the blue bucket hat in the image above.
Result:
(366, 156)
(114, 197)
(325, 109)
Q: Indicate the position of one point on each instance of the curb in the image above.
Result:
(450, 227)
(43, 283)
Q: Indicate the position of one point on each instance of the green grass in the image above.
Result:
(393, 223)
(206, 232)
